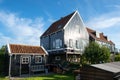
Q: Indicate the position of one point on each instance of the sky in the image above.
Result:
(23, 21)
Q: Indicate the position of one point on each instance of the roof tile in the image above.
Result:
(102, 36)
(58, 25)
(26, 49)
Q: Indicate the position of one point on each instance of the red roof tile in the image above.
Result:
(111, 42)
(101, 38)
(25, 49)
(90, 30)
(58, 25)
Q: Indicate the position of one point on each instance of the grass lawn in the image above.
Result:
(52, 77)
(3, 78)
(47, 77)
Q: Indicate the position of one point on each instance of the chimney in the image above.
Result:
(105, 37)
(97, 34)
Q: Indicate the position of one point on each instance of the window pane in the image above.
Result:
(53, 44)
(60, 42)
(70, 43)
(57, 43)
(77, 44)
(25, 60)
(38, 59)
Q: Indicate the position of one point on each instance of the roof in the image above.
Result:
(101, 38)
(58, 25)
(25, 49)
(113, 67)
(111, 42)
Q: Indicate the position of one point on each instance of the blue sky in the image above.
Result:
(23, 21)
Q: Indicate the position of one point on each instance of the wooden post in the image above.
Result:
(10, 66)
(66, 56)
(29, 65)
(44, 63)
(44, 58)
(20, 65)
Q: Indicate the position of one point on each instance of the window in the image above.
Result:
(70, 43)
(57, 43)
(74, 58)
(60, 43)
(38, 59)
(53, 44)
(59, 26)
(57, 58)
(76, 43)
(25, 60)
(77, 28)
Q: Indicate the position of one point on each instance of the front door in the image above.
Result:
(25, 62)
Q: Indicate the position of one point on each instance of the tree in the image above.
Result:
(94, 53)
(105, 54)
(117, 57)
(2, 60)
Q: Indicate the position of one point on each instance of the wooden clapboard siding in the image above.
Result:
(91, 73)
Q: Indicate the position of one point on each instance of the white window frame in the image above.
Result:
(38, 61)
(77, 44)
(58, 43)
(70, 43)
(54, 44)
(74, 58)
(25, 60)
(57, 58)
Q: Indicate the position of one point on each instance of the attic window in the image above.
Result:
(59, 26)
(48, 31)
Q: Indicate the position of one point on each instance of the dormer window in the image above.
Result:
(59, 26)
(48, 31)
(97, 34)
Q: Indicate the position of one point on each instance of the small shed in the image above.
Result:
(105, 71)
(26, 59)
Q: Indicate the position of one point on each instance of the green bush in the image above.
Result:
(3, 61)
(94, 54)
(117, 57)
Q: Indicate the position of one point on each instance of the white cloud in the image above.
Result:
(104, 22)
(108, 23)
(115, 6)
(50, 17)
(23, 30)
(4, 39)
